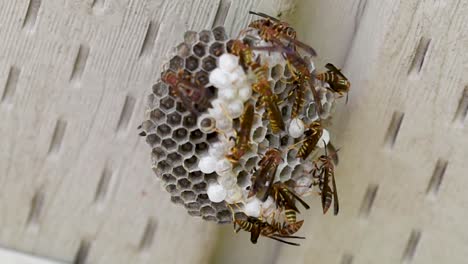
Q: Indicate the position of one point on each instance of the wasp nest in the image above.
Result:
(191, 132)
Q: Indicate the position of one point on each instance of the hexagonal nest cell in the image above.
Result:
(181, 139)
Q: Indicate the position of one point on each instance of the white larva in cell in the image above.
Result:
(228, 62)
(235, 108)
(296, 128)
(219, 78)
(216, 193)
(252, 207)
(207, 164)
(324, 139)
(206, 123)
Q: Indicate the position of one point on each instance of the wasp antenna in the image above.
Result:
(295, 144)
(284, 241)
(296, 237)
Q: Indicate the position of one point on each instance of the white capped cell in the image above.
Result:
(227, 94)
(325, 137)
(252, 207)
(218, 149)
(245, 93)
(227, 180)
(219, 78)
(234, 195)
(228, 62)
(207, 164)
(302, 186)
(296, 128)
(270, 201)
(217, 103)
(235, 108)
(224, 124)
(219, 110)
(223, 166)
(238, 77)
(215, 112)
(216, 193)
(268, 207)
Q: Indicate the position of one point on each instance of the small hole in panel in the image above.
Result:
(79, 64)
(411, 246)
(10, 85)
(98, 4)
(462, 110)
(419, 58)
(126, 114)
(37, 204)
(437, 177)
(347, 259)
(57, 137)
(368, 200)
(82, 253)
(221, 14)
(148, 235)
(31, 15)
(393, 129)
(103, 185)
(150, 38)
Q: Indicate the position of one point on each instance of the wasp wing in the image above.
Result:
(336, 206)
(333, 68)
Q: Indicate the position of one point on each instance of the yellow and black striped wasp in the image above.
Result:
(263, 178)
(338, 82)
(262, 86)
(258, 227)
(311, 137)
(242, 143)
(326, 172)
(276, 31)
